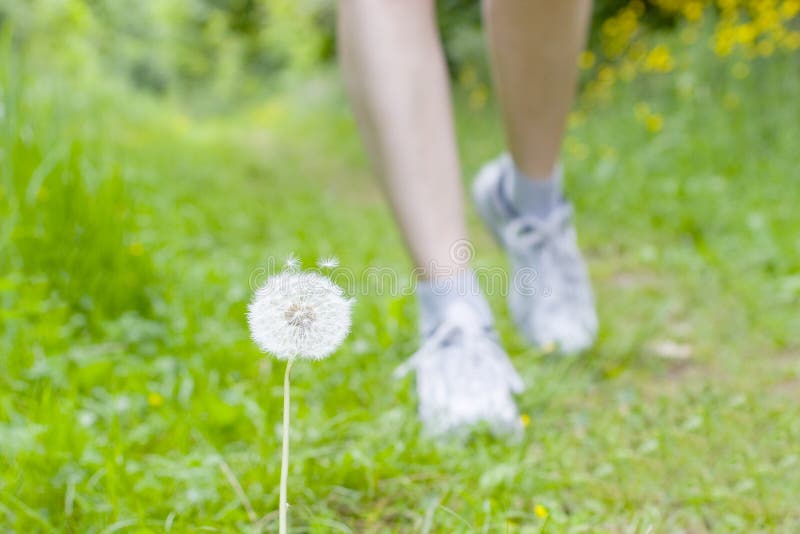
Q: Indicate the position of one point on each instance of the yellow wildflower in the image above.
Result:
(578, 151)
(154, 399)
(745, 34)
(607, 75)
(576, 118)
(768, 20)
(654, 123)
(792, 40)
(790, 8)
(637, 6)
(693, 11)
(723, 43)
(136, 249)
(586, 60)
(478, 97)
(525, 420)
(468, 76)
(618, 31)
(540, 511)
(659, 60)
(778, 34)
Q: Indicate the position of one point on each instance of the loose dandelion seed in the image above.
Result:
(297, 315)
(292, 263)
(331, 262)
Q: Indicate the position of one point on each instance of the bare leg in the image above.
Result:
(534, 48)
(395, 74)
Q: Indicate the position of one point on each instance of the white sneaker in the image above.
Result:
(550, 295)
(463, 376)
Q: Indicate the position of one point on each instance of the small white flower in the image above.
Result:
(331, 262)
(299, 315)
(292, 262)
(87, 419)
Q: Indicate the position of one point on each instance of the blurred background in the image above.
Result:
(153, 157)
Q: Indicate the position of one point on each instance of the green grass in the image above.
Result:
(130, 232)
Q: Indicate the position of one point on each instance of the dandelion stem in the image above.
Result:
(284, 506)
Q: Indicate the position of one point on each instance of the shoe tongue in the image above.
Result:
(530, 229)
(463, 315)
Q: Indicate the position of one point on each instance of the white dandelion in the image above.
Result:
(297, 315)
(331, 262)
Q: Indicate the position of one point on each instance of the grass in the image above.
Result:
(132, 400)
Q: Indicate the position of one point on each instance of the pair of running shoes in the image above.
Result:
(463, 375)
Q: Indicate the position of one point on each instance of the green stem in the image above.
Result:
(284, 506)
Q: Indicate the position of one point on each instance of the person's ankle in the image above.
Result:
(537, 195)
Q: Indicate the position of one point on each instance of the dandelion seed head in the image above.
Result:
(331, 262)
(299, 315)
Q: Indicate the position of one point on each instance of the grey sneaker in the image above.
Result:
(464, 377)
(550, 295)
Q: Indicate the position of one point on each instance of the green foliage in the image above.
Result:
(221, 49)
(215, 51)
(69, 222)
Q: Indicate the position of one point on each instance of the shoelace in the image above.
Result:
(457, 328)
(528, 234)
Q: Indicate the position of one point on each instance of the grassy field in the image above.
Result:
(132, 400)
